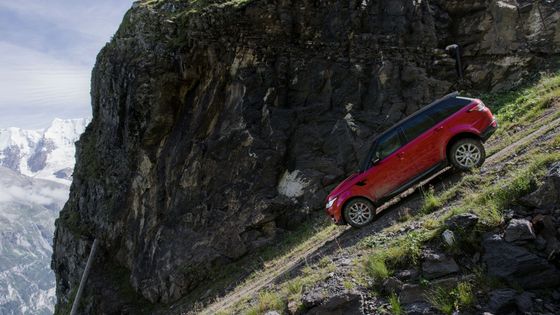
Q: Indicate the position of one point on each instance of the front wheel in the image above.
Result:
(359, 212)
(467, 154)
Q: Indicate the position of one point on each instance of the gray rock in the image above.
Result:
(517, 265)
(416, 293)
(448, 237)
(547, 196)
(412, 293)
(546, 228)
(347, 303)
(418, 308)
(392, 284)
(463, 221)
(519, 230)
(272, 313)
(407, 274)
(524, 302)
(436, 265)
(313, 298)
(502, 301)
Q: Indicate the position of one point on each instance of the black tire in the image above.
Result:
(359, 212)
(466, 154)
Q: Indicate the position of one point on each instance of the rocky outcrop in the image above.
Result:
(216, 126)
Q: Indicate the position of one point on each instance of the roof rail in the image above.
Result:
(452, 94)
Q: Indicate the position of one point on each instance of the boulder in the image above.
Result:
(517, 265)
(547, 230)
(392, 284)
(407, 274)
(313, 298)
(547, 196)
(347, 303)
(519, 230)
(416, 293)
(463, 221)
(412, 293)
(436, 265)
(448, 237)
(502, 301)
(524, 301)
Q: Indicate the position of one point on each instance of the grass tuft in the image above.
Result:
(431, 201)
(376, 268)
(395, 303)
(448, 301)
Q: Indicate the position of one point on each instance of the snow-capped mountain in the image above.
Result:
(46, 154)
(35, 174)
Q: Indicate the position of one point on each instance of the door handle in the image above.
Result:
(400, 155)
(438, 129)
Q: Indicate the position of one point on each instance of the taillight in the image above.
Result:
(479, 108)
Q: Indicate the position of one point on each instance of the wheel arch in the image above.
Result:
(457, 137)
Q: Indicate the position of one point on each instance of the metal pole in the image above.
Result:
(84, 278)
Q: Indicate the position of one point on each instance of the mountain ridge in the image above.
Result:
(42, 153)
(29, 205)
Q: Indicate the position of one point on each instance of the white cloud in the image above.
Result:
(35, 78)
(43, 196)
(97, 19)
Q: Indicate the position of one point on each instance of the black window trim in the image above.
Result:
(367, 165)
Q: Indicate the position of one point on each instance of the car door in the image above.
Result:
(423, 136)
(392, 166)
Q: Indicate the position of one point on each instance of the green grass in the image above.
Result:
(447, 301)
(348, 285)
(396, 308)
(523, 106)
(267, 301)
(431, 201)
(517, 111)
(376, 268)
(493, 198)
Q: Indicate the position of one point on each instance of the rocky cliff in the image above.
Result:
(219, 124)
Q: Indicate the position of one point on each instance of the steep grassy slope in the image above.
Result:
(527, 142)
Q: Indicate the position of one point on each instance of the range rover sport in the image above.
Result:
(450, 131)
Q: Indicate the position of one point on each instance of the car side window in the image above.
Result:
(447, 108)
(417, 125)
(388, 144)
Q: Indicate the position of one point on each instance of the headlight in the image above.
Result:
(331, 202)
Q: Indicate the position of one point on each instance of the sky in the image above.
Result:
(47, 52)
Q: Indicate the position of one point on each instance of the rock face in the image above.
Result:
(517, 265)
(216, 126)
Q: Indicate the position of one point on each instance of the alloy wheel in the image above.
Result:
(360, 213)
(467, 155)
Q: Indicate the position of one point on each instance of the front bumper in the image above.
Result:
(335, 213)
(489, 130)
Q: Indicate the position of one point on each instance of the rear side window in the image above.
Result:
(388, 144)
(446, 108)
(417, 125)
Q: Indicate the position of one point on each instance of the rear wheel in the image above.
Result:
(466, 154)
(359, 212)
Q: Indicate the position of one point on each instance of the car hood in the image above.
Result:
(346, 184)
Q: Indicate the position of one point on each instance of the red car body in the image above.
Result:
(415, 158)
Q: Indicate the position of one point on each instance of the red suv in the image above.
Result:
(451, 130)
